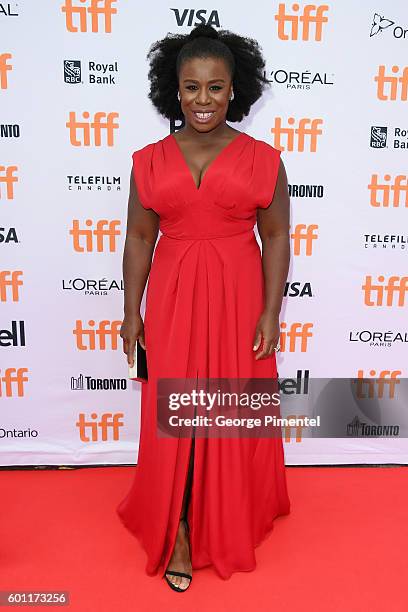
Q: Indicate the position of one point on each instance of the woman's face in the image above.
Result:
(205, 87)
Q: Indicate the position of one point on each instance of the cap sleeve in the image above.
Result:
(269, 160)
(141, 160)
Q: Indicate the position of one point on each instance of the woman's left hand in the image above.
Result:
(268, 330)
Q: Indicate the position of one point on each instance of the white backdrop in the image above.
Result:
(68, 66)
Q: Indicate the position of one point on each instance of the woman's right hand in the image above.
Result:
(132, 329)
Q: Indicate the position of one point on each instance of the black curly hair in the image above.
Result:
(242, 56)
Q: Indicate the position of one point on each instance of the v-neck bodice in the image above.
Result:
(212, 162)
(239, 180)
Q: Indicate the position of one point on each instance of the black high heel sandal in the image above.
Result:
(182, 574)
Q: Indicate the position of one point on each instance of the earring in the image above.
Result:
(178, 95)
(232, 96)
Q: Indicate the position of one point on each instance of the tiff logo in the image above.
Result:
(301, 21)
(392, 87)
(92, 337)
(91, 14)
(304, 234)
(8, 178)
(97, 127)
(10, 281)
(11, 381)
(105, 231)
(376, 386)
(99, 429)
(298, 332)
(385, 290)
(295, 137)
(392, 191)
(5, 67)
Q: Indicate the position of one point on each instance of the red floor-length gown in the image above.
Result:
(204, 296)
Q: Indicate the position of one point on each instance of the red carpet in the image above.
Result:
(342, 548)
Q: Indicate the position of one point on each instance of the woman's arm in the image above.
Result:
(273, 227)
(141, 235)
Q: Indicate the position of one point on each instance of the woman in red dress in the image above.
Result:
(212, 304)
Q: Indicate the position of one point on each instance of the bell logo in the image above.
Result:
(288, 339)
(306, 234)
(312, 14)
(375, 387)
(91, 338)
(393, 291)
(392, 87)
(83, 240)
(99, 430)
(92, 14)
(7, 177)
(5, 67)
(11, 381)
(307, 127)
(10, 281)
(380, 193)
(95, 127)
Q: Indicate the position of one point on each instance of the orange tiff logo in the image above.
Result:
(85, 240)
(304, 234)
(390, 292)
(298, 333)
(7, 177)
(11, 381)
(380, 193)
(366, 388)
(295, 137)
(93, 11)
(10, 281)
(95, 430)
(312, 14)
(5, 67)
(95, 337)
(84, 129)
(392, 87)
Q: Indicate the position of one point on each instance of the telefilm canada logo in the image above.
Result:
(381, 24)
(389, 242)
(382, 137)
(93, 182)
(97, 73)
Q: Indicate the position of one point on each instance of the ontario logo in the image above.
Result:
(381, 23)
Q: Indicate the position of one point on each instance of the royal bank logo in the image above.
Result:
(397, 137)
(96, 73)
(72, 71)
(378, 139)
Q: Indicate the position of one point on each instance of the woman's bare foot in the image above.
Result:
(180, 560)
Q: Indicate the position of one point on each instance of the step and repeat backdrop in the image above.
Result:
(74, 107)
